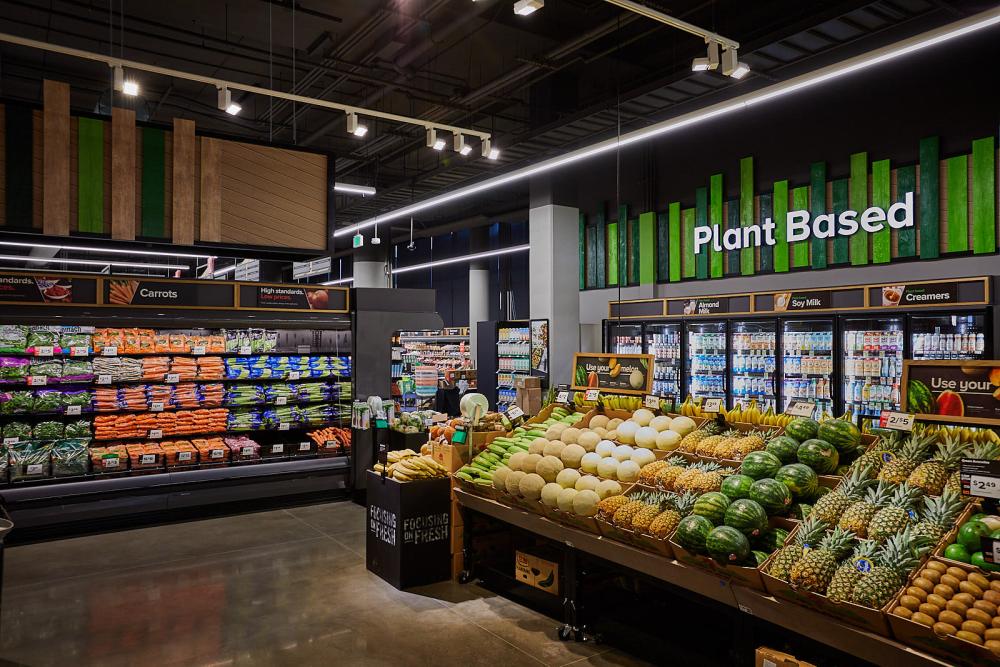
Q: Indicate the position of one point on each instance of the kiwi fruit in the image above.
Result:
(944, 629)
(958, 573)
(931, 575)
(918, 593)
(969, 637)
(910, 602)
(951, 618)
(950, 581)
(936, 600)
(931, 610)
(945, 591)
(971, 589)
(902, 612)
(978, 615)
(975, 627)
(984, 605)
(922, 619)
(957, 607)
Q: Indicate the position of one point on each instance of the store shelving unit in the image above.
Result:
(445, 350)
(513, 359)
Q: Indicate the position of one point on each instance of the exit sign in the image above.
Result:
(359, 240)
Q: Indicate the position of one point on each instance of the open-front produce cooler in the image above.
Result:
(134, 396)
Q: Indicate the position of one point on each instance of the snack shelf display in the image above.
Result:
(445, 350)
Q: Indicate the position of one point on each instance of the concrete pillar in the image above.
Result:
(554, 279)
(369, 264)
(479, 285)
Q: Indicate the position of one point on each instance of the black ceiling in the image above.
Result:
(566, 75)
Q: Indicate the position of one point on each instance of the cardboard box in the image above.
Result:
(536, 572)
(769, 657)
(529, 400)
(451, 457)
(527, 382)
(457, 539)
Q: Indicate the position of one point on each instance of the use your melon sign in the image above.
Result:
(619, 373)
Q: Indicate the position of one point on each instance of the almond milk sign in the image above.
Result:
(800, 226)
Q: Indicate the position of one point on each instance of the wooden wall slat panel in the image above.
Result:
(123, 146)
(716, 220)
(211, 191)
(55, 204)
(780, 209)
(701, 220)
(153, 213)
(674, 213)
(662, 247)
(600, 249)
(746, 212)
(906, 181)
(800, 249)
(731, 214)
(858, 243)
(881, 249)
(690, 268)
(612, 253)
(930, 191)
(818, 206)
(37, 168)
(958, 203)
(765, 202)
(90, 175)
(647, 248)
(183, 182)
(584, 269)
(984, 207)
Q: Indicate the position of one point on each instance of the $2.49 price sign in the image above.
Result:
(980, 477)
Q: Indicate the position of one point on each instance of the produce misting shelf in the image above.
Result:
(851, 640)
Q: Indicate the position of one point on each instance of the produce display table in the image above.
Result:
(802, 621)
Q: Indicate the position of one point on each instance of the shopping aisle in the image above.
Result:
(274, 588)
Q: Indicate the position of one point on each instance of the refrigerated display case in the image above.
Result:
(873, 365)
(624, 338)
(706, 376)
(807, 363)
(513, 360)
(663, 341)
(947, 337)
(752, 363)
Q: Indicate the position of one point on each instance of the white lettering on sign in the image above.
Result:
(158, 294)
(382, 524)
(900, 421)
(562, 397)
(984, 486)
(800, 226)
(801, 409)
(426, 529)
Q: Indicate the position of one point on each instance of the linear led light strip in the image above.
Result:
(452, 260)
(847, 67)
(120, 251)
(90, 262)
(352, 189)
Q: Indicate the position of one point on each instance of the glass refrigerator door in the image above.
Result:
(873, 365)
(663, 341)
(624, 338)
(947, 337)
(751, 364)
(807, 363)
(707, 360)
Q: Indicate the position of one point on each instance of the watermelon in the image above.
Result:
(771, 539)
(842, 434)
(784, 447)
(736, 486)
(759, 557)
(799, 511)
(760, 464)
(746, 516)
(817, 494)
(692, 532)
(727, 545)
(819, 455)
(712, 506)
(800, 479)
(802, 428)
(919, 398)
(773, 496)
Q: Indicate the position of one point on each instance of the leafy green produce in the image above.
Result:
(75, 369)
(14, 369)
(78, 429)
(29, 460)
(13, 338)
(39, 338)
(69, 457)
(80, 397)
(68, 340)
(49, 400)
(15, 402)
(52, 368)
(49, 430)
(20, 430)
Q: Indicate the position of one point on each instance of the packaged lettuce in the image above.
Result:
(20, 430)
(13, 338)
(49, 430)
(16, 402)
(78, 429)
(42, 338)
(77, 370)
(48, 400)
(70, 457)
(29, 460)
(68, 340)
(14, 369)
(52, 368)
(81, 397)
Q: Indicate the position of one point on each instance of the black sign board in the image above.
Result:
(167, 293)
(645, 308)
(915, 294)
(951, 389)
(792, 301)
(408, 530)
(24, 288)
(980, 478)
(709, 305)
(621, 373)
(293, 297)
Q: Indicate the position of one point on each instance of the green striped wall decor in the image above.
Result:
(766, 251)
(601, 251)
(858, 243)
(984, 192)
(930, 193)
(152, 202)
(623, 245)
(701, 219)
(881, 195)
(674, 220)
(585, 261)
(746, 212)
(733, 257)
(715, 219)
(633, 251)
(690, 269)
(780, 210)
(592, 234)
(800, 249)
(613, 272)
(647, 248)
(840, 194)
(90, 175)
(906, 238)
(818, 206)
(663, 247)
(958, 203)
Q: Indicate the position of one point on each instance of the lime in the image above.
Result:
(979, 561)
(977, 517)
(969, 534)
(957, 552)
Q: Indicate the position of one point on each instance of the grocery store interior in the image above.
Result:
(473, 332)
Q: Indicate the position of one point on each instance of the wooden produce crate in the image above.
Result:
(585, 523)
(951, 535)
(480, 490)
(744, 576)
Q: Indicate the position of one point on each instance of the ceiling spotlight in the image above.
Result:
(354, 127)
(433, 141)
(731, 65)
(708, 63)
(226, 102)
(489, 152)
(460, 145)
(525, 7)
(130, 87)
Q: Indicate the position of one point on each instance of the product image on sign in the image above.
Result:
(954, 388)
(626, 373)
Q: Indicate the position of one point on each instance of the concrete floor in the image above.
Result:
(285, 587)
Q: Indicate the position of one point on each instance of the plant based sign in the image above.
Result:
(623, 373)
(801, 226)
(968, 389)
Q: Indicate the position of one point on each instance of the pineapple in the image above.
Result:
(706, 447)
(627, 512)
(873, 457)
(856, 517)
(667, 476)
(656, 502)
(809, 532)
(647, 475)
(710, 479)
(685, 481)
(850, 571)
(607, 507)
(724, 449)
(939, 515)
(814, 571)
(830, 507)
(932, 475)
(690, 441)
(663, 525)
(896, 515)
(907, 459)
(894, 562)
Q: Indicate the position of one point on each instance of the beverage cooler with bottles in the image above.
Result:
(943, 336)
(752, 363)
(624, 338)
(872, 364)
(663, 341)
(706, 359)
(807, 363)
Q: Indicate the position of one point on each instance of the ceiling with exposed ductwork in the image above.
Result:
(571, 73)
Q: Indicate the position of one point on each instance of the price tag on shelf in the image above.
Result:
(103, 379)
(147, 459)
(247, 451)
(81, 351)
(37, 380)
(74, 410)
(284, 426)
(984, 487)
(277, 449)
(711, 405)
(592, 395)
(303, 349)
(294, 375)
(36, 468)
(110, 462)
(305, 446)
(198, 350)
(514, 412)
(155, 433)
(899, 421)
(333, 444)
(801, 409)
(652, 402)
(245, 349)
(280, 400)
(562, 397)
(11, 441)
(216, 453)
(184, 456)
(156, 406)
(110, 351)
(991, 549)
(980, 477)
(172, 378)
(44, 351)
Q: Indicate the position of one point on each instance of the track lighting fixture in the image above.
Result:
(433, 140)
(525, 7)
(126, 87)
(710, 62)
(354, 127)
(460, 146)
(731, 65)
(226, 102)
(489, 152)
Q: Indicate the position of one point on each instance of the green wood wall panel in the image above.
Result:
(662, 247)
(746, 212)
(152, 210)
(930, 192)
(583, 253)
(858, 243)
(592, 234)
(818, 206)
(623, 245)
(715, 219)
(984, 190)
(612, 254)
(733, 222)
(841, 194)
(674, 217)
(766, 251)
(780, 206)
(958, 203)
(90, 175)
(701, 219)
(800, 249)
(881, 196)
(690, 268)
(601, 251)
(633, 251)
(647, 248)
(906, 238)
(18, 183)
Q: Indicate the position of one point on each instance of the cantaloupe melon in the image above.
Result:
(585, 503)
(587, 482)
(621, 453)
(530, 461)
(599, 421)
(608, 468)
(660, 423)
(643, 457)
(590, 461)
(565, 500)
(642, 416)
(513, 482)
(553, 448)
(628, 471)
(588, 440)
(626, 432)
(530, 486)
(668, 440)
(537, 446)
(566, 478)
(572, 455)
(549, 467)
(608, 487)
(645, 437)
(570, 435)
(550, 494)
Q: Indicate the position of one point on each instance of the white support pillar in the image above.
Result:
(554, 279)
(369, 274)
(479, 302)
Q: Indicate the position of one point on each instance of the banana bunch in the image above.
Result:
(690, 407)
(963, 434)
(609, 401)
(406, 466)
